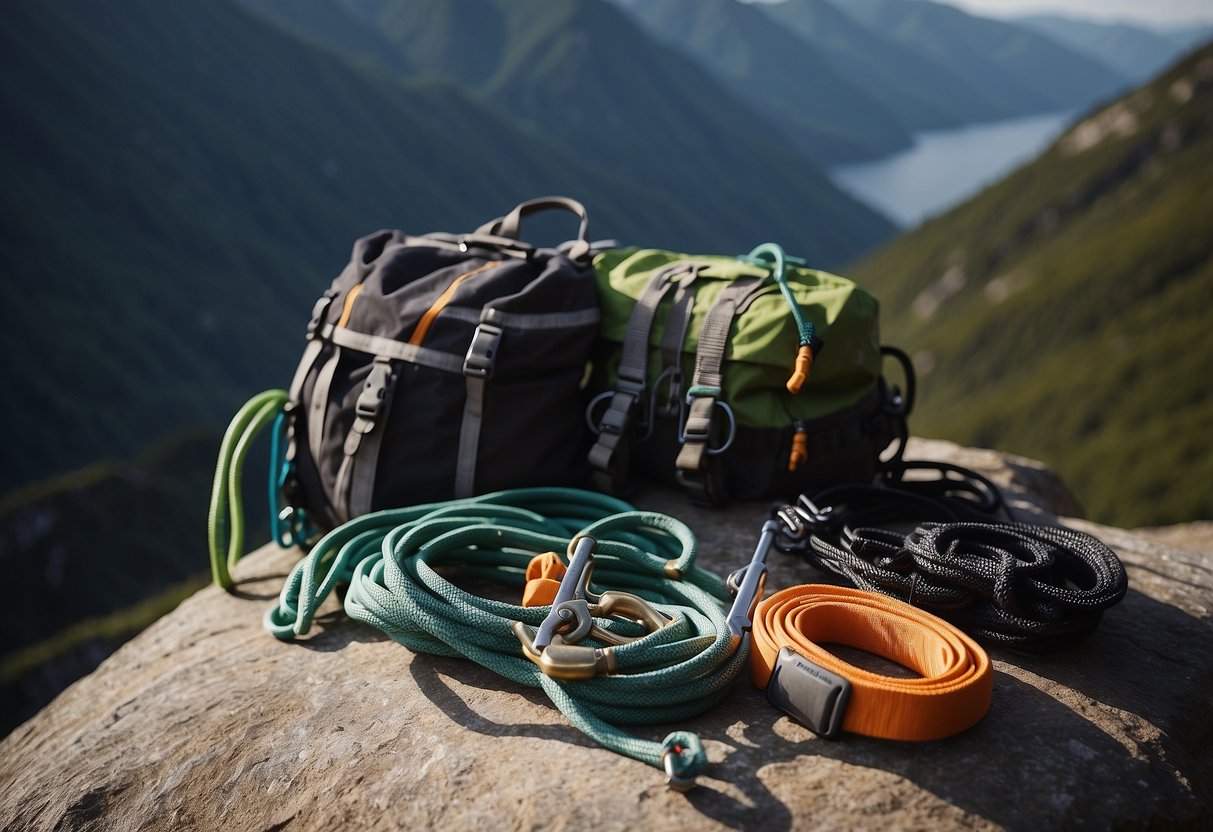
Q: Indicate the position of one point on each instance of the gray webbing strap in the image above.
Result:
(318, 406)
(707, 382)
(608, 456)
(672, 340)
(311, 354)
(391, 348)
(362, 442)
(477, 369)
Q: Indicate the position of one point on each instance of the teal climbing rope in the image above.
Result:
(398, 566)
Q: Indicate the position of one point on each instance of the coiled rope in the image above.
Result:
(397, 564)
(1015, 584)
(1030, 587)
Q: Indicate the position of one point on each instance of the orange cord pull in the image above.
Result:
(800, 449)
(543, 576)
(800, 374)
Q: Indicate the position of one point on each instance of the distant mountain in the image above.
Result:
(336, 25)
(798, 89)
(582, 73)
(922, 93)
(1187, 36)
(1063, 313)
(1133, 51)
(1015, 65)
(183, 179)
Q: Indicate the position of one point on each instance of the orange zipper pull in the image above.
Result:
(800, 374)
(800, 447)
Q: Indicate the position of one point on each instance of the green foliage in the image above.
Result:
(1073, 324)
(88, 544)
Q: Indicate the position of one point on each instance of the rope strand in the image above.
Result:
(396, 564)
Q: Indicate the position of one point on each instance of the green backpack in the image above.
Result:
(696, 365)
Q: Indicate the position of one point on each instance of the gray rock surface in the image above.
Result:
(206, 722)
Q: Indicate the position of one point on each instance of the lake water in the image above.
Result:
(946, 167)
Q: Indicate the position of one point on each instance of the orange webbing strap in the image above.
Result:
(543, 576)
(951, 693)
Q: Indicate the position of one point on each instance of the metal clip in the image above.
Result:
(554, 645)
(748, 582)
(703, 435)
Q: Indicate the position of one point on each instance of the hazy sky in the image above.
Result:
(1159, 12)
(1156, 12)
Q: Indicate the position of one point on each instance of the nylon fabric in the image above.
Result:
(397, 565)
(951, 692)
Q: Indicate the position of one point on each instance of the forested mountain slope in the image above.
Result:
(1064, 312)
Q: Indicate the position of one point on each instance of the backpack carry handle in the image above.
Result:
(509, 225)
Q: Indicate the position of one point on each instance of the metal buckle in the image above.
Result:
(703, 436)
(748, 583)
(554, 645)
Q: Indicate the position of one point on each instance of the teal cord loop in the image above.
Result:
(397, 565)
(773, 254)
(290, 525)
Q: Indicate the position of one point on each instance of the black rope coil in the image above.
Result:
(1029, 587)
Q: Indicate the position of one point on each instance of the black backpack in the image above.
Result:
(437, 366)
(443, 366)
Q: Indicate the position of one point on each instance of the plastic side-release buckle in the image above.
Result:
(482, 351)
(320, 312)
(807, 692)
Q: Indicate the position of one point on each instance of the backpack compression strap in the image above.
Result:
(609, 455)
(704, 395)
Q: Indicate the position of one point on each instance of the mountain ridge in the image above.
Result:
(799, 90)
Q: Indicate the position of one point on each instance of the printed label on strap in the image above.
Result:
(807, 692)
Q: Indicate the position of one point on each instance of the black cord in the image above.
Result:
(1031, 587)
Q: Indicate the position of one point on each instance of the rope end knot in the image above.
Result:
(683, 757)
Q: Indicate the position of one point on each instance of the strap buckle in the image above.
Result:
(807, 692)
(481, 357)
(320, 312)
(700, 430)
(370, 400)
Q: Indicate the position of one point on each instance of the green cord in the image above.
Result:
(225, 520)
(394, 563)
